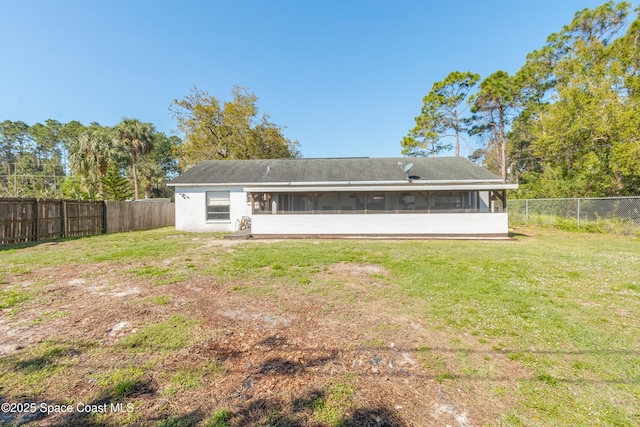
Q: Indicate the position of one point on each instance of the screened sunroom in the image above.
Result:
(376, 202)
(343, 197)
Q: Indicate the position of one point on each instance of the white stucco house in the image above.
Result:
(441, 196)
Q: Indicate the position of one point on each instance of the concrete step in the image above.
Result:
(239, 235)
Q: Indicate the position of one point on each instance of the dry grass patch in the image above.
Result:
(533, 331)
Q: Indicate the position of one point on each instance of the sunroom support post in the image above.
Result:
(502, 196)
(312, 198)
(365, 202)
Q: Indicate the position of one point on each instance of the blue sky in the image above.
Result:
(346, 78)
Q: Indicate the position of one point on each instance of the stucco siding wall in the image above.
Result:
(191, 215)
(457, 223)
(191, 209)
(485, 202)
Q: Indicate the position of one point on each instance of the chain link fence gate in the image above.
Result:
(620, 215)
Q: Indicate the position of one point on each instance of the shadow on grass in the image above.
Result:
(35, 364)
(256, 412)
(374, 417)
(107, 409)
(48, 359)
(56, 413)
(80, 414)
(300, 412)
(282, 366)
(50, 242)
(379, 357)
(190, 419)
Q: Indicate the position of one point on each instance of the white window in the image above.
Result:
(218, 206)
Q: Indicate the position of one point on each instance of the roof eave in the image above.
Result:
(351, 188)
(334, 183)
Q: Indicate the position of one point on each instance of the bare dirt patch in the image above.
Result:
(269, 358)
(355, 269)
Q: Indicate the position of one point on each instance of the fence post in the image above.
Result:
(64, 219)
(526, 211)
(104, 217)
(37, 221)
(578, 213)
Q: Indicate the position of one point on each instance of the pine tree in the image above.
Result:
(114, 185)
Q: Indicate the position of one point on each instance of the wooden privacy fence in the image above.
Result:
(130, 216)
(27, 220)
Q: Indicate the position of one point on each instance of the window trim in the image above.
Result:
(221, 202)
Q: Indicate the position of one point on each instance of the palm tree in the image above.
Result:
(91, 153)
(138, 138)
(150, 174)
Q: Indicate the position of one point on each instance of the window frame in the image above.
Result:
(220, 201)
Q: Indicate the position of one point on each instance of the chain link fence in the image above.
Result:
(620, 215)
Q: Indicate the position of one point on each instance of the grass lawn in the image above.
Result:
(190, 330)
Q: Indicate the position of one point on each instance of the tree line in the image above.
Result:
(132, 159)
(74, 161)
(566, 124)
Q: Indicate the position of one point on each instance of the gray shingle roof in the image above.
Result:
(333, 170)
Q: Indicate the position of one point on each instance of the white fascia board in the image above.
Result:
(351, 188)
(403, 183)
